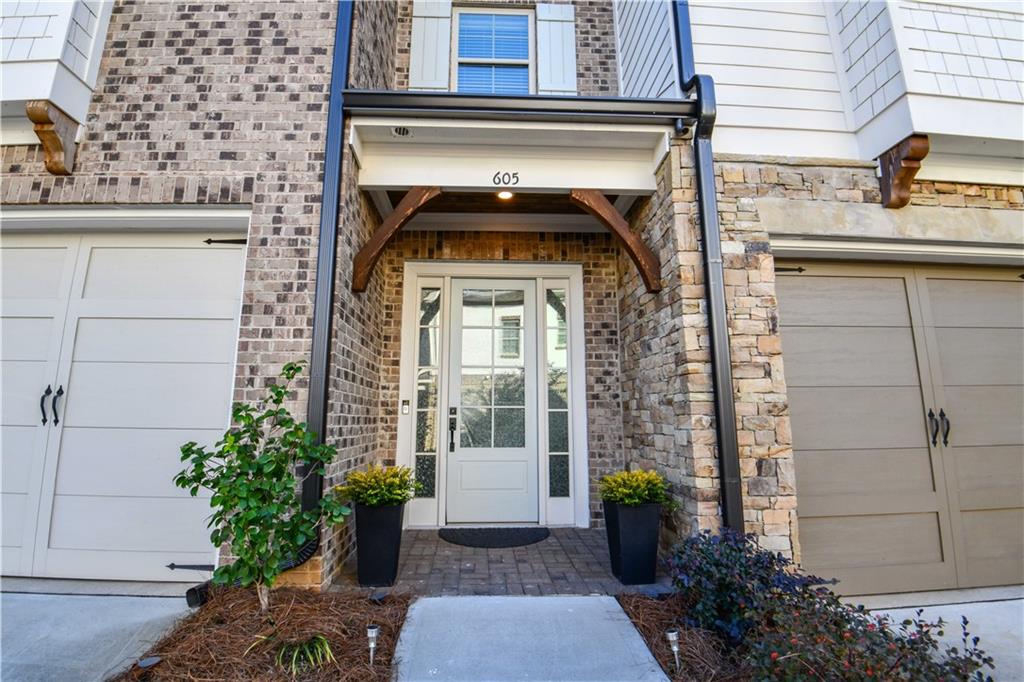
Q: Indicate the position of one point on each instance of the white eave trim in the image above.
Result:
(465, 155)
(124, 218)
(784, 246)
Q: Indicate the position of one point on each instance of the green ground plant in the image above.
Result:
(251, 475)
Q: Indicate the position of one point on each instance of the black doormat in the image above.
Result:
(493, 538)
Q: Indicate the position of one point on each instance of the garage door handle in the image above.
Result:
(42, 402)
(935, 427)
(945, 427)
(53, 405)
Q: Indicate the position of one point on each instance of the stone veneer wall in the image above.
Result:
(598, 254)
(596, 65)
(668, 399)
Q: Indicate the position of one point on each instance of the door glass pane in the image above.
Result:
(476, 427)
(476, 347)
(430, 307)
(558, 389)
(426, 431)
(508, 307)
(557, 357)
(509, 427)
(428, 346)
(476, 307)
(555, 307)
(558, 432)
(509, 386)
(426, 388)
(476, 387)
(508, 341)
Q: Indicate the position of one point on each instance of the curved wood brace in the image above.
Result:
(364, 262)
(56, 132)
(899, 165)
(596, 204)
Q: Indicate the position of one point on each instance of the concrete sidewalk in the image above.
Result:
(78, 637)
(522, 638)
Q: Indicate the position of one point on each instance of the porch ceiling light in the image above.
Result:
(505, 195)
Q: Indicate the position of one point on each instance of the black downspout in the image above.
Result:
(714, 277)
(323, 302)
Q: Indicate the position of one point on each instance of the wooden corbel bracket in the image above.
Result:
(647, 263)
(56, 131)
(899, 165)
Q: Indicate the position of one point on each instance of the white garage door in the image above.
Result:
(116, 350)
(906, 389)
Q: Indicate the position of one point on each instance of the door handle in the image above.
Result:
(934, 425)
(453, 426)
(53, 405)
(945, 427)
(42, 402)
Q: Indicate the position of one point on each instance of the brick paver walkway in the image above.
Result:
(569, 561)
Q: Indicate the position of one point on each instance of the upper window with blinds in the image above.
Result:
(493, 51)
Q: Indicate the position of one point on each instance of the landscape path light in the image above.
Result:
(672, 635)
(371, 637)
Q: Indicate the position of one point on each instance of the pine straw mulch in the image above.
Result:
(703, 656)
(211, 644)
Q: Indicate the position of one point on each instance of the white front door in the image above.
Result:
(491, 418)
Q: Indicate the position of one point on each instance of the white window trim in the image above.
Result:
(455, 60)
(554, 511)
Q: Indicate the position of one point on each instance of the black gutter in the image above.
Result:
(323, 302)
(510, 107)
(714, 278)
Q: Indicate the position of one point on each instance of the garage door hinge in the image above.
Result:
(226, 241)
(790, 269)
(191, 567)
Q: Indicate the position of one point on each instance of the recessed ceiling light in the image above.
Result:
(505, 195)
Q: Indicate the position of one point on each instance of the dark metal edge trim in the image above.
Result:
(505, 107)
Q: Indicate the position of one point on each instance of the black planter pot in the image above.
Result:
(611, 524)
(378, 541)
(635, 550)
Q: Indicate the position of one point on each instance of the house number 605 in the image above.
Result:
(506, 178)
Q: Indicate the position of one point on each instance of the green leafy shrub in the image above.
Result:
(728, 577)
(378, 486)
(811, 635)
(784, 625)
(251, 473)
(630, 488)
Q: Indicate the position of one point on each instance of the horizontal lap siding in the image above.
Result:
(646, 49)
(772, 64)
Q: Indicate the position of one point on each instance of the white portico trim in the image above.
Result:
(395, 153)
(556, 509)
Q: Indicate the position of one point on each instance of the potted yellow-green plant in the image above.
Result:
(632, 511)
(379, 495)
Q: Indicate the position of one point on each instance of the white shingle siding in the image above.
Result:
(869, 57)
(646, 49)
(49, 30)
(964, 51)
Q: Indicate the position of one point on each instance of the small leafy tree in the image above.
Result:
(251, 473)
